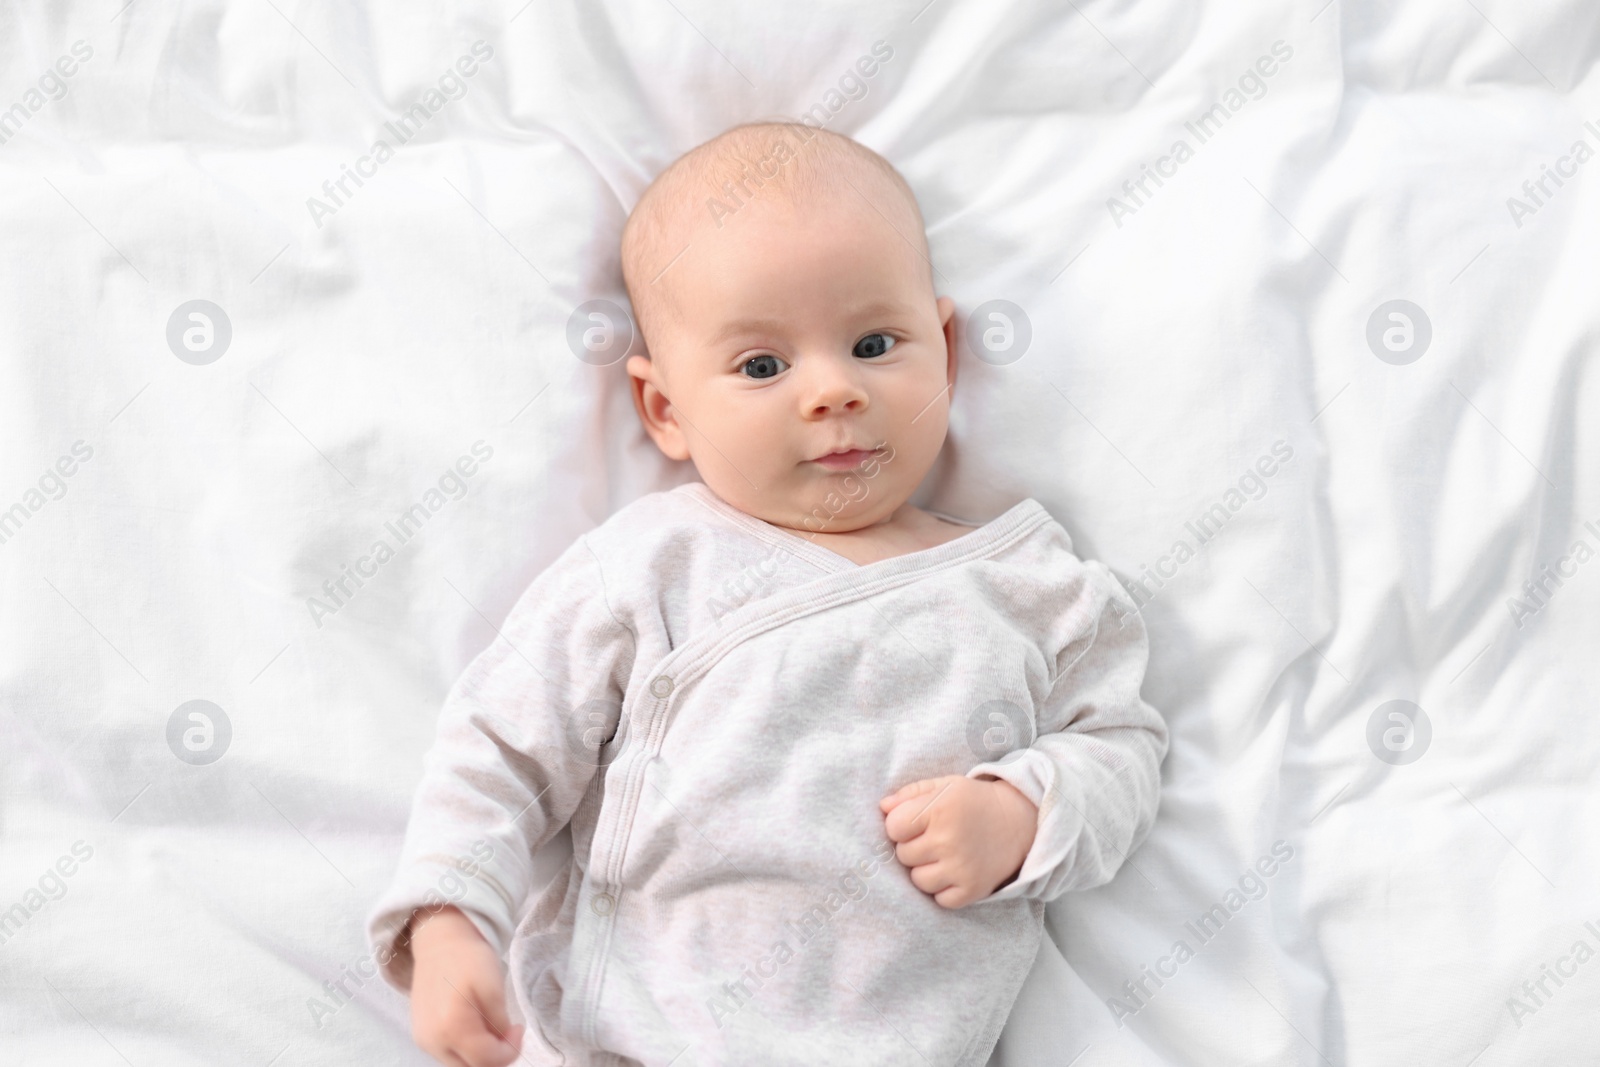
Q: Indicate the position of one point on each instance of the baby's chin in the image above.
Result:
(814, 501)
(822, 514)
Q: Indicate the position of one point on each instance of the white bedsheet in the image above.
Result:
(1177, 335)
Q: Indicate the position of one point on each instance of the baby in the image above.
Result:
(824, 755)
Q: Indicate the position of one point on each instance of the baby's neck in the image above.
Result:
(909, 529)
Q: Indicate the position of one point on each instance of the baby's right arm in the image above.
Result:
(516, 749)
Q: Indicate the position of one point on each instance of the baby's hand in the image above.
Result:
(961, 837)
(458, 998)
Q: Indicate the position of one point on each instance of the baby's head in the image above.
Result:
(781, 281)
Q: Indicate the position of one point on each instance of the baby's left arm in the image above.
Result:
(1064, 812)
(960, 837)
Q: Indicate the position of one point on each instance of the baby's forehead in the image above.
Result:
(787, 161)
(776, 165)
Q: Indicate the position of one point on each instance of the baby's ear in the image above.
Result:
(947, 320)
(654, 409)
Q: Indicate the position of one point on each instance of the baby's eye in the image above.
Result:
(873, 345)
(762, 367)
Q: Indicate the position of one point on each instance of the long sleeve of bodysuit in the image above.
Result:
(1094, 768)
(518, 744)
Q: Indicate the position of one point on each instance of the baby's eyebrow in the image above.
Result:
(868, 311)
(878, 308)
(742, 327)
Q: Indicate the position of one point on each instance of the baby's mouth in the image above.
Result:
(847, 459)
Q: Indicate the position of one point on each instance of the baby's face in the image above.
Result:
(793, 333)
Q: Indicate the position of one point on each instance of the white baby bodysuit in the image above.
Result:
(732, 898)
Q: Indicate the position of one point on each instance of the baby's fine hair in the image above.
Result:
(711, 183)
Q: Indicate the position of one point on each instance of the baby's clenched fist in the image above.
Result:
(961, 838)
(458, 997)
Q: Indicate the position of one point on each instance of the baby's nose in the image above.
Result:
(823, 405)
(835, 389)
